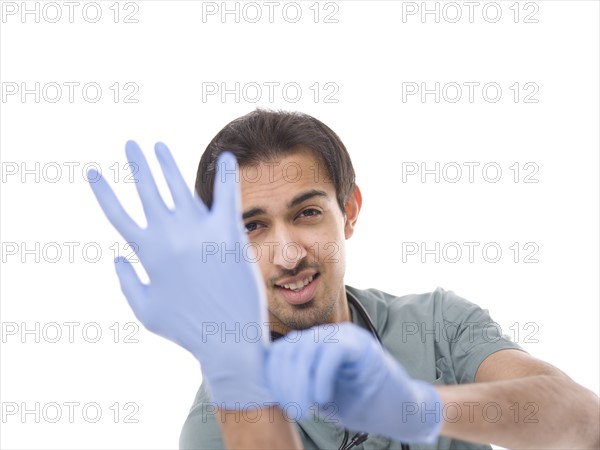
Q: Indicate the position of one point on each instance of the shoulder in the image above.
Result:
(439, 302)
(435, 334)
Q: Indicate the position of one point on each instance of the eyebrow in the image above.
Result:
(298, 199)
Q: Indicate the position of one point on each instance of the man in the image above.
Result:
(299, 204)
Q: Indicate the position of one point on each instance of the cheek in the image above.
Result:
(259, 257)
(329, 249)
(264, 266)
(335, 256)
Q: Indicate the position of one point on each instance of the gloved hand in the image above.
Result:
(369, 389)
(205, 294)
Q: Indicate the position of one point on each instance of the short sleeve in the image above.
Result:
(201, 430)
(470, 335)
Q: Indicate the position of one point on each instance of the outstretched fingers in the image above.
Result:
(182, 197)
(112, 208)
(152, 202)
(227, 200)
(133, 289)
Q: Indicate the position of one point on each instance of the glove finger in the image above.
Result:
(331, 357)
(152, 202)
(287, 376)
(182, 196)
(305, 363)
(227, 196)
(112, 208)
(349, 346)
(133, 289)
(282, 371)
(277, 371)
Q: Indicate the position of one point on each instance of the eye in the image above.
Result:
(251, 226)
(310, 212)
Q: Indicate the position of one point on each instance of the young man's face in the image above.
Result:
(291, 212)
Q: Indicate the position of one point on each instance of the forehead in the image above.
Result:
(277, 181)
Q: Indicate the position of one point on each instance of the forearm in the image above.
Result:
(532, 412)
(265, 428)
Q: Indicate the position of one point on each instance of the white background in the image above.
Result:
(368, 54)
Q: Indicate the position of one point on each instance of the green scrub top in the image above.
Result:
(438, 337)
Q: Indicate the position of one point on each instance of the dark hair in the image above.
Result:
(264, 135)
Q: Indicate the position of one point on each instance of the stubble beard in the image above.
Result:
(306, 315)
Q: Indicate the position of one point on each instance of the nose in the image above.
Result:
(286, 251)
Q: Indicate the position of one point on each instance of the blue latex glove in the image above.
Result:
(369, 389)
(213, 305)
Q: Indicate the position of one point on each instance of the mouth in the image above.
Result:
(301, 291)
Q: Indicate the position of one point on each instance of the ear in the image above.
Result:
(352, 208)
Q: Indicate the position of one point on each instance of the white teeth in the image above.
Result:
(299, 285)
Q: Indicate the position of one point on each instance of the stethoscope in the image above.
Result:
(358, 438)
